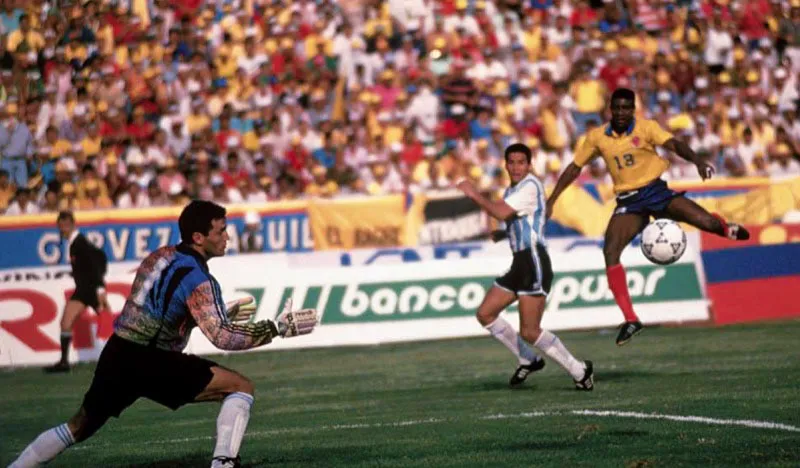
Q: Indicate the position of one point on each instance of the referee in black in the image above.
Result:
(89, 265)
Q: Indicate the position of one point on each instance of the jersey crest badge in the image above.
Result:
(635, 141)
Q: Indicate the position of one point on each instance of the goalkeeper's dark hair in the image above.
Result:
(197, 217)
(623, 93)
(519, 148)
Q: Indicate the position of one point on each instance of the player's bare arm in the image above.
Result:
(497, 209)
(683, 150)
(566, 179)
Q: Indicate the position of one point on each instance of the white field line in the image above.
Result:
(695, 419)
(749, 423)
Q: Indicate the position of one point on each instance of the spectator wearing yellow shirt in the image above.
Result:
(316, 41)
(92, 143)
(320, 186)
(197, 120)
(67, 197)
(558, 127)
(226, 65)
(7, 190)
(93, 197)
(763, 130)
(589, 95)
(395, 128)
(58, 146)
(25, 35)
(641, 41)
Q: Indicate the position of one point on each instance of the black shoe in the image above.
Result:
(60, 366)
(226, 462)
(627, 331)
(587, 382)
(737, 232)
(523, 372)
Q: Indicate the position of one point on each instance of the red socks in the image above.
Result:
(723, 222)
(619, 286)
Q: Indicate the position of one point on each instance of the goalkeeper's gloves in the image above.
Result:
(241, 310)
(291, 323)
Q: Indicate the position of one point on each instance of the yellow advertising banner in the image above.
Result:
(385, 221)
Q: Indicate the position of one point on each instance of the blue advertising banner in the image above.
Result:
(125, 235)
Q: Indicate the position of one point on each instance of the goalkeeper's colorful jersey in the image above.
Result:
(172, 293)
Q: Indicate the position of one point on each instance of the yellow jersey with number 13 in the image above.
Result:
(631, 156)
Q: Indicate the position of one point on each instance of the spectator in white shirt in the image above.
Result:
(423, 111)
(135, 196)
(462, 21)
(22, 203)
(719, 44)
(703, 141)
(560, 33)
(748, 150)
(253, 59)
(51, 112)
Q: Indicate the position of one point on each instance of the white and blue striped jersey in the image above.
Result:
(527, 198)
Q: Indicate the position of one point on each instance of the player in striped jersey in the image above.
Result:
(530, 276)
(172, 293)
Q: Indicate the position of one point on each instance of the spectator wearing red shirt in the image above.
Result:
(753, 22)
(297, 156)
(583, 16)
(455, 126)
(615, 70)
(412, 150)
(140, 128)
(710, 7)
(235, 173)
(226, 135)
(113, 128)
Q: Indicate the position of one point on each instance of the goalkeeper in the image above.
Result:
(172, 293)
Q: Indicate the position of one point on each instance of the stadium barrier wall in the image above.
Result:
(391, 301)
(756, 279)
(128, 235)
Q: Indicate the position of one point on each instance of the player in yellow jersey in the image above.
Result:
(628, 147)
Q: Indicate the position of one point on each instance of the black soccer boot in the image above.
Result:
(58, 367)
(587, 382)
(226, 462)
(737, 232)
(627, 331)
(523, 371)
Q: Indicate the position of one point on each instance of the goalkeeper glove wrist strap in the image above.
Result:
(273, 328)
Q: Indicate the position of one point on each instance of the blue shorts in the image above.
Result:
(651, 199)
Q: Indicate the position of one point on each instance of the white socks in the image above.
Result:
(231, 424)
(45, 448)
(553, 348)
(505, 333)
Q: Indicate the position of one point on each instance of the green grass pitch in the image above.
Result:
(446, 404)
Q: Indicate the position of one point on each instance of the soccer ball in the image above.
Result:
(663, 241)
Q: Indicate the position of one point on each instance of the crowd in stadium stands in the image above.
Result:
(137, 103)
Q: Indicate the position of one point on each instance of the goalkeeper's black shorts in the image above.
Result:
(128, 371)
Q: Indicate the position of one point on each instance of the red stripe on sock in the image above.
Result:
(619, 287)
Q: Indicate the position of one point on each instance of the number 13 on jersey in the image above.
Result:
(627, 160)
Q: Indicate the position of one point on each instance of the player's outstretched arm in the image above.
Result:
(565, 180)
(498, 209)
(683, 150)
(212, 318)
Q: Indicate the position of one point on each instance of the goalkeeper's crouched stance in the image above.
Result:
(172, 293)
